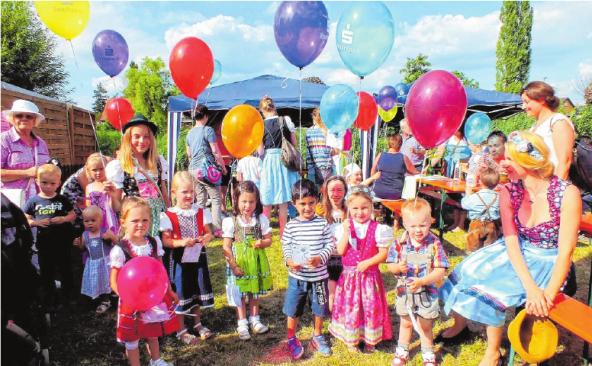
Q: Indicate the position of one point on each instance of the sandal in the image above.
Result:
(204, 333)
(103, 307)
(400, 358)
(187, 338)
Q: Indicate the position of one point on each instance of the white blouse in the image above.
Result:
(115, 174)
(117, 256)
(545, 130)
(384, 234)
(165, 222)
(228, 225)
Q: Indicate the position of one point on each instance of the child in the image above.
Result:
(101, 192)
(131, 326)
(185, 229)
(419, 261)
(95, 277)
(249, 168)
(353, 176)
(483, 209)
(246, 235)
(334, 210)
(307, 244)
(53, 215)
(360, 312)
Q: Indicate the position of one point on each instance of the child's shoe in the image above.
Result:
(243, 330)
(256, 326)
(429, 359)
(160, 362)
(204, 332)
(368, 348)
(401, 356)
(321, 345)
(295, 348)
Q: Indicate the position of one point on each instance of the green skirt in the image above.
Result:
(255, 266)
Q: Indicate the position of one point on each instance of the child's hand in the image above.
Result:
(237, 271)
(109, 235)
(403, 267)
(293, 266)
(362, 266)
(314, 261)
(345, 227)
(77, 243)
(415, 284)
(42, 222)
(174, 297)
(189, 242)
(109, 187)
(56, 220)
(258, 244)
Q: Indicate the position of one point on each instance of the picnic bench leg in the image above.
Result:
(443, 198)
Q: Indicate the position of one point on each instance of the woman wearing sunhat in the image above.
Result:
(540, 218)
(139, 170)
(21, 150)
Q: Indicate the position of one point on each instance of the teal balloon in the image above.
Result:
(217, 72)
(365, 36)
(339, 108)
(477, 128)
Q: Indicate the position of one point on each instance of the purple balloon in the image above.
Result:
(387, 97)
(435, 107)
(110, 52)
(301, 30)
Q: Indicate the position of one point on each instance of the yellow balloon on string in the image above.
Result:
(67, 19)
(387, 116)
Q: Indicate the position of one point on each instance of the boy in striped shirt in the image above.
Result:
(307, 244)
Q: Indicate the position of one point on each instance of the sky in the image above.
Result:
(454, 35)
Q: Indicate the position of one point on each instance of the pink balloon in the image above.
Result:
(347, 140)
(435, 107)
(142, 283)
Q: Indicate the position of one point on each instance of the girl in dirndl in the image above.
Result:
(186, 231)
(246, 235)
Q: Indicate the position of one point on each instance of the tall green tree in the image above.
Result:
(28, 52)
(466, 81)
(149, 85)
(513, 46)
(415, 67)
(99, 99)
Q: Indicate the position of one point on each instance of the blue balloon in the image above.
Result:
(217, 72)
(477, 128)
(110, 52)
(365, 36)
(301, 30)
(387, 97)
(339, 108)
(402, 90)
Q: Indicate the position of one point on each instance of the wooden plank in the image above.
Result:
(573, 315)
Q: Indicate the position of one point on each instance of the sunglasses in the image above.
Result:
(25, 116)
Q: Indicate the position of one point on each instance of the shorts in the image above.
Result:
(422, 304)
(334, 267)
(300, 292)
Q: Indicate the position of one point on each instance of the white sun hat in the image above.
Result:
(24, 106)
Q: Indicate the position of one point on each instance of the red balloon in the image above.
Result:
(192, 65)
(118, 112)
(367, 111)
(435, 107)
(142, 283)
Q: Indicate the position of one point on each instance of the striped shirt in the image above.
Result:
(319, 153)
(304, 239)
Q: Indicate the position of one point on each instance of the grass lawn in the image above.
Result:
(80, 337)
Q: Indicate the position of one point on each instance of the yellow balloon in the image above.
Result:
(67, 19)
(242, 130)
(387, 116)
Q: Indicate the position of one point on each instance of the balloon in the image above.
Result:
(367, 112)
(387, 116)
(435, 108)
(365, 36)
(301, 30)
(217, 71)
(242, 130)
(142, 283)
(339, 108)
(347, 140)
(192, 65)
(110, 52)
(402, 90)
(118, 112)
(387, 97)
(67, 19)
(477, 128)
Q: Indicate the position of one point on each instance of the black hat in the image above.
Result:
(139, 119)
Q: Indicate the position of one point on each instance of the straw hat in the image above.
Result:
(534, 339)
(24, 106)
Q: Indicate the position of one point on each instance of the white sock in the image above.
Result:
(243, 323)
(254, 319)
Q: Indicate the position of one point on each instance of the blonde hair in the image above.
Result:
(266, 104)
(416, 206)
(356, 193)
(129, 203)
(94, 158)
(126, 154)
(48, 169)
(541, 168)
(181, 177)
(92, 211)
(316, 118)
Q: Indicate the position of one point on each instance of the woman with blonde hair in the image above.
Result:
(276, 180)
(319, 157)
(540, 216)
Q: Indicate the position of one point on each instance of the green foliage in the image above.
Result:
(109, 139)
(513, 46)
(516, 122)
(182, 162)
(466, 81)
(582, 120)
(28, 52)
(148, 89)
(99, 99)
(415, 67)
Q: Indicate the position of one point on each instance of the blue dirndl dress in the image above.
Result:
(485, 284)
(276, 180)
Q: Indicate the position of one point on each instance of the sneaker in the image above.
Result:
(259, 328)
(321, 345)
(160, 362)
(243, 333)
(295, 348)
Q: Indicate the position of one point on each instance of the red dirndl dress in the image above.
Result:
(130, 326)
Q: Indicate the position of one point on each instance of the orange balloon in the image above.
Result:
(242, 130)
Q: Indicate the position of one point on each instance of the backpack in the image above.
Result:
(580, 172)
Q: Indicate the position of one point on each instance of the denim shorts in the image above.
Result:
(301, 292)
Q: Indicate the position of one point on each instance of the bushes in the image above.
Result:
(109, 139)
(516, 122)
(583, 120)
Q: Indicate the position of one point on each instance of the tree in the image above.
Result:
(99, 99)
(466, 81)
(415, 67)
(28, 58)
(314, 80)
(148, 89)
(513, 46)
(588, 93)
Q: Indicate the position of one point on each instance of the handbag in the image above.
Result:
(291, 157)
(209, 173)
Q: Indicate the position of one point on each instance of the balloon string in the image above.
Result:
(300, 114)
(74, 54)
(120, 124)
(208, 96)
(418, 183)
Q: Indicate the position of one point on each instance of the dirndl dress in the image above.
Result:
(484, 285)
(360, 310)
(276, 180)
(95, 277)
(103, 201)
